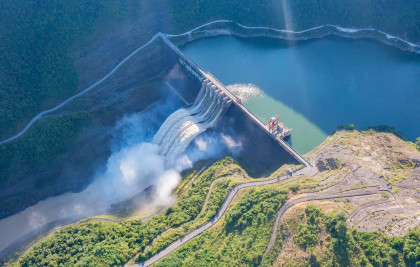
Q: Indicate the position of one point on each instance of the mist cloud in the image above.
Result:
(134, 165)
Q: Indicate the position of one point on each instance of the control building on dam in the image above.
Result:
(260, 152)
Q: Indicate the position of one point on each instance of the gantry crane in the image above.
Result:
(273, 123)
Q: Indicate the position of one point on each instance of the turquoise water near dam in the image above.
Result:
(317, 85)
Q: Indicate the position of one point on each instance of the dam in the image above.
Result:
(208, 106)
(216, 109)
(182, 126)
(317, 85)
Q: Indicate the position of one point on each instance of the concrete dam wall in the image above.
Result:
(182, 126)
(260, 151)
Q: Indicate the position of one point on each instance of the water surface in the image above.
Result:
(319, 84)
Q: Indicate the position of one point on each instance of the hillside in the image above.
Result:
(395, 17)
(52, 50)
(360, 209)
(367, 187)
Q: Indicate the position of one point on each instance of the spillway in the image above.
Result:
(248, 139)
(181, 113)
(182, 126)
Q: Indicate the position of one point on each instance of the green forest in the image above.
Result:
(396, 17)
(44, 142)
(238, 239)
(36, 71)
(99, 242)
(329, 242)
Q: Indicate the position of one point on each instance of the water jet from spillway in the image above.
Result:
(182, 126)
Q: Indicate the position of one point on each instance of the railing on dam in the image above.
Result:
(202, 75)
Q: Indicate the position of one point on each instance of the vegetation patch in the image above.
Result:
(325, 240)
(35, 66)
(44, 142)
(133, 236)
(386, 129)
(239, 238)
(104, 244)
(218, 194)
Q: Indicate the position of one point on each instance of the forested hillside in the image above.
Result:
(397, 17)
(35, 68)
(238, 239)
(37, 72)
(329, 242)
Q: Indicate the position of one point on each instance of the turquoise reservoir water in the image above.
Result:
(319, 84)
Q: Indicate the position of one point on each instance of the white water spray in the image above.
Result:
(179, 129)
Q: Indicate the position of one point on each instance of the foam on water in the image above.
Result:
(245, 91)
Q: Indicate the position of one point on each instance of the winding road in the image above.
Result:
(219, 214)
(317, 196)
(283, 209)
(370, 204)
(232, 194)
(179, 194)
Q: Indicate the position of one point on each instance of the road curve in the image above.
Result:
(293, 202)
(370, 204)
(218, 215)
(179, 194)
(43, 113)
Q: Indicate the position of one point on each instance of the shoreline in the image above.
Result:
(235, 29)
(231, 28)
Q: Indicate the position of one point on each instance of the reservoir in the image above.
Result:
(317, 85)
